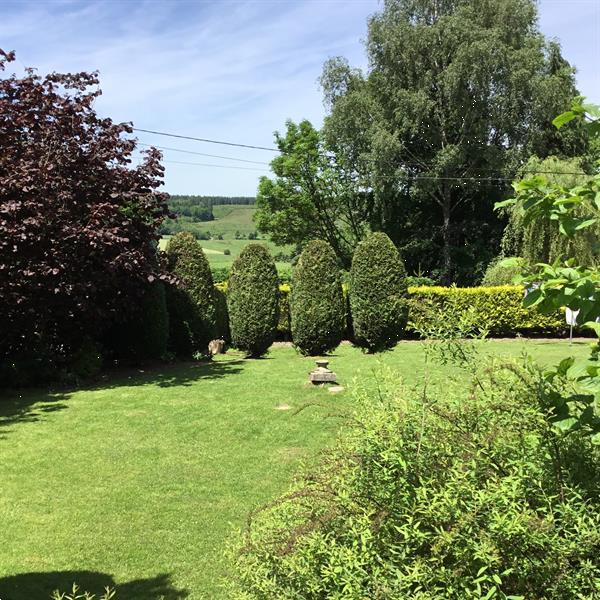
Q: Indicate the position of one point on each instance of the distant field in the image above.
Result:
(229, 219)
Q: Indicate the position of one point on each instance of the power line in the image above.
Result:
(208, 141)
(254, 162)
(178, 162)
(254, 147)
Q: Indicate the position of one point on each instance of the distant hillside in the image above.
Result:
(192, 210)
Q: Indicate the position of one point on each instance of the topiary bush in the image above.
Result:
(378, 293)
(252, 300)
(192, 311)
(469, 492)
(317, 302)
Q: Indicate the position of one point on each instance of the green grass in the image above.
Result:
(138, 481)
(214, 251)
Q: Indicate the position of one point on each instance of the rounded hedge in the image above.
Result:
(253, 300)
(500, 272)
(317, 300)
(378, 293)
(192, 310)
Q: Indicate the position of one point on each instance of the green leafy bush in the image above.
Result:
(192, 312)
(499, 272)
(467, 493)
(252, 300)
(145, 334)
(86, 361)
(220, 274)
(498, 310)
(378, 293)
(317, 301)
(222, 327)
(284, 321)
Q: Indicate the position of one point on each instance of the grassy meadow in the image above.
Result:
(138, 480)
(229, 219)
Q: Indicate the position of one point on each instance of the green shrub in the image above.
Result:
(317, 301)
(220, 274)
(498, 273)
(77, 594)
(86, 361)
(463, 494)
(252, 300)
(378, 293)
(419, 280)
(284, 322)
(227, 252)
(192, 311)
(498, 310)
(145, 334)
(222, 328)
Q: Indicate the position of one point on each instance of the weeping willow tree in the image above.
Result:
(540, 239)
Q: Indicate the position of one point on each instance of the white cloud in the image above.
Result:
(227, 70)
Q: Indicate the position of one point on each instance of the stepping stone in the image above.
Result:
(336, 389)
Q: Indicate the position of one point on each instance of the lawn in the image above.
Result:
(138, 480)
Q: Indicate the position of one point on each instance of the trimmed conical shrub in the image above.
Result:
(252, 300)
(378, 293)
(192, 312)
(317, 300)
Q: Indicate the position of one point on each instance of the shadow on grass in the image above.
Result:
(31, 405)
(40, 586)
(164, 376)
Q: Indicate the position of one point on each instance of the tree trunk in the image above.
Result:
(446, 258)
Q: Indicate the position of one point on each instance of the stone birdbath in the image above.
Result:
(322, 374)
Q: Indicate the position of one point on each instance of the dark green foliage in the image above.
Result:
(436, 496)
(222, 331)
(145, 334)
(452, 88)
(378, 293)
(220, 274)
(317, 301)
(192, 312)
(252, 300)
(87, 360)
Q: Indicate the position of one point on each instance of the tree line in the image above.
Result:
(458, 96)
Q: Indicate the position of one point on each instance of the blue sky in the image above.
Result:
(227, 70)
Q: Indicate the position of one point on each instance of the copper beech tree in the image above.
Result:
(78, 222)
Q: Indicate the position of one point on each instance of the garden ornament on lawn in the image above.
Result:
(322, 374)
(216, 347)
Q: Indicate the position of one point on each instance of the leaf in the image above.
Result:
(595, 327)
(585, 224)
(563, 119)
(567, 424)
(533, 298)
(509, 202)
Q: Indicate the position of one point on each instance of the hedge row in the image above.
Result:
(497, 309)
